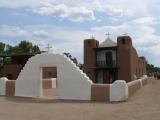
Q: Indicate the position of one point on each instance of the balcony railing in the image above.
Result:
(106, 64)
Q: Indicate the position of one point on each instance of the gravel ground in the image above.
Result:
(144, 105)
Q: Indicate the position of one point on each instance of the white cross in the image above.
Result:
(92, 37)
(108, 34)
(48, 47)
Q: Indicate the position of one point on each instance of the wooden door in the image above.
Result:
(106, 77)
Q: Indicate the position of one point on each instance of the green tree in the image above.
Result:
(72, 58)
(24, 47)
(2, 48)
(151, 68)
(8, 50)
(35, 49)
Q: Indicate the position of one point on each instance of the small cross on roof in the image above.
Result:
(92, 37)
(108, 34)
(48, 47)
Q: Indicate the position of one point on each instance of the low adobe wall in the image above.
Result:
(136, 85)
(7, 87)
(118, 91)
(10, 88)
(100, 92)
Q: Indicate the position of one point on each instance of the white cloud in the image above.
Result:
(153, 53)
(109, 9)
(62, 40)
(138, 28)
(12, 31)
(40, 34)
(76, 13)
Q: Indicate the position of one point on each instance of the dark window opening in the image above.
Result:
(10, 76)
(49, 74)
(89, 42)
(123, 41)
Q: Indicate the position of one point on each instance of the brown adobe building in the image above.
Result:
(11, 70)
(110, 61)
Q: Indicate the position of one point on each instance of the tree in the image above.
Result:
(35, 49)
(151, 68)
(22, 47)
(25, 47)
(2, 48)
(8, 50)
(72, 58)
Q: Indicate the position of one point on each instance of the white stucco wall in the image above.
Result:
(3, 85)
(72, 83)
(118, 91)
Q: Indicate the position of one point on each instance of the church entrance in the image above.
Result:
(49, 82)
(106, 77)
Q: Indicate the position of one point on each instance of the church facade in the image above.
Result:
(110, 61)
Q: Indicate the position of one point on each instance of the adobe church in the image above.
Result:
(110, 61)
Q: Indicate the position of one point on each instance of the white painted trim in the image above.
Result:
(3, 85)
(118, 91)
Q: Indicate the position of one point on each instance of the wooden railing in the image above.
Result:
(107, 64)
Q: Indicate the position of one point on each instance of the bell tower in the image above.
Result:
(124, 51)
(89, 57)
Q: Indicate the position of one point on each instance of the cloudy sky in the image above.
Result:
(64, 24)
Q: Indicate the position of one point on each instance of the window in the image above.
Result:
(10, 76)
(123, 40)
(89, 42)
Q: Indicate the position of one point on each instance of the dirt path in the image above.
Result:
(144, 105)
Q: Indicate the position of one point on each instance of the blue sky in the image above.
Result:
(66, 23)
